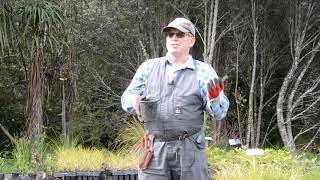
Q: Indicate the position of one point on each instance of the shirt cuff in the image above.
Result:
(129, 104)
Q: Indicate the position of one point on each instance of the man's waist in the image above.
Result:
(174, 134)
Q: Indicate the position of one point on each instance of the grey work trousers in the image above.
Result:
(178, 160)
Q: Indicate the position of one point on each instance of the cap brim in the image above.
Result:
(175, 27)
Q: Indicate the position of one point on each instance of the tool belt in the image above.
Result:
(146, 151)
(177, 134)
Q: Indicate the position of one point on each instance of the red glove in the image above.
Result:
(215, 88)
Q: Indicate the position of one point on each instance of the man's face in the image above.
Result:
(178, 42)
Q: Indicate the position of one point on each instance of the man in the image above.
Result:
(171, 94)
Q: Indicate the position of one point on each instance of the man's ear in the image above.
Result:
(192, 41)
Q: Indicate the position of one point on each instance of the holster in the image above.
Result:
(146, 151)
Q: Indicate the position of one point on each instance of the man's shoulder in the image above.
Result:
(203, 65)
(205, 71)
(152, 61)
(147, 66)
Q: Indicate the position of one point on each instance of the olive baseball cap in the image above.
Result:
(182, 24)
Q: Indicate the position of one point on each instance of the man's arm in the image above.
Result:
(136, 87)
(215, 102)
(218, 106)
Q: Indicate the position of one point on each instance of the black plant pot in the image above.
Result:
(103, 175)
(1, 176)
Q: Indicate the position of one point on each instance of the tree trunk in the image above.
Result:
(289, 145)
(72, 69)
(250, 128)
(35, 105)
(210, 30)
(261, 99)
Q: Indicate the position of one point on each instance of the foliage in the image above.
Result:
(274, 164)
(63, 142)
(6, 28)
(121, 160)
(98, 127)
(21, 155)
(226, 164)
(40, 16)
(91, 159)
(129, 139)
(78, 159)
(6, 164)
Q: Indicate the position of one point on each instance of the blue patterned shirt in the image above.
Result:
(216, 107)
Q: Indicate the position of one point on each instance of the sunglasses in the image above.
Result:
(178, 34)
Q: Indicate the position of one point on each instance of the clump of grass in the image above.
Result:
(85, 159)
(21, 160)
(63, 142)
(129, 139)
(121, 161)
(239, 172)
(5, 164)
(79, 159)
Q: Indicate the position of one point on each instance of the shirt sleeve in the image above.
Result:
(136, 87)
(217, 107)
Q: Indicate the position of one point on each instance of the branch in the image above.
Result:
(310, 90)
(6, 132)
(297, 116)
(302, 132)
(273, 119)
(266, 103)
(313, 138)
(99, 79)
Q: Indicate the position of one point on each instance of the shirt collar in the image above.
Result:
(189, 64)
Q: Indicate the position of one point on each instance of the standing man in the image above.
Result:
(170, 94)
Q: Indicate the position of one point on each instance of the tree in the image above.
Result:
(40, 20)
(70, 69)
(250, 127)
(298, 97)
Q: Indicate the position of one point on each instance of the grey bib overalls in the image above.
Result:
(174, 114)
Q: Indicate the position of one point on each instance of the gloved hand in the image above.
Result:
(214, 88)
